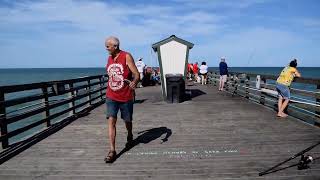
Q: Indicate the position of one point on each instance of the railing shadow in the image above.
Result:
(147, 136)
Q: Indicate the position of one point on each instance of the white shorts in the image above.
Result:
(223, 78)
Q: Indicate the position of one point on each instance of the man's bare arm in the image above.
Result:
(134, 70)
(297, 74)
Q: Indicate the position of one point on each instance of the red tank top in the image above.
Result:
(118, 89)
(195, 68)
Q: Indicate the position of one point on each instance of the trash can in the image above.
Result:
(175, 88)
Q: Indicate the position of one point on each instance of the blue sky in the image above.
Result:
(66, 33)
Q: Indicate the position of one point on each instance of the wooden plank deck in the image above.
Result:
(212, 136)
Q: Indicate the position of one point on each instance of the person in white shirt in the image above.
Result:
(141, 67)
(203, 72)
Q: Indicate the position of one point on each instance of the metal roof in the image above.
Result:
(171, 38)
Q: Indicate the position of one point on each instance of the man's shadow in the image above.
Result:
(147, 136)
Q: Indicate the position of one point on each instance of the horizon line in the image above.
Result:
(153, 67)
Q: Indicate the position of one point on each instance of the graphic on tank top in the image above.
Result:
(116, 80)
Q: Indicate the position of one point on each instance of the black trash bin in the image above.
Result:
(175, 88)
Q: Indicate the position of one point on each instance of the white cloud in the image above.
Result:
(75, 30)
(310, 23)
(98, 17)
(228, 4)
(254, 47)
(83, 25)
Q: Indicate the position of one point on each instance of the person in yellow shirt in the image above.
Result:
(282, 85)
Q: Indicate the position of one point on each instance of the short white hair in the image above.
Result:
(114, 40)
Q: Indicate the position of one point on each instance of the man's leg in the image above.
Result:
(112, 132)
(129, 129)
(141, 78)
(224, 80)
(202, 79)
(280, 100)
(112, 111)
(222, 85)
(126, 114)
(284, 105)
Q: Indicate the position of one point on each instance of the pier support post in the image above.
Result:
(262, 85)
(318, 100)
(215, 79)
(100, 86)
(247, 86)
(88, 92)
(226, 84)
(45, 100)
(3, 122)
(72, 103)
(235, 85)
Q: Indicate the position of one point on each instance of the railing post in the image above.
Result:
(226, 84)
(88, 89)
(3, 122)
(72, 103)
(247, 86)
(46, 103)
(100, 86)
(262, 85)
(216, 79)
(235, 84)
(318, 100)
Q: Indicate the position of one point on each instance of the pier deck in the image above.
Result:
(213, 136)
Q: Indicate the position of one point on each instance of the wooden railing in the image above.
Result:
(30, 109)
(304, 104)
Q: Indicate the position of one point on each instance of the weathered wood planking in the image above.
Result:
(213, 136)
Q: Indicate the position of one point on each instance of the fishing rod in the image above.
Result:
(303, 163)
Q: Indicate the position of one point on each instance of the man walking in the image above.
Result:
(223, 67)
(141, 67)
(123, 78)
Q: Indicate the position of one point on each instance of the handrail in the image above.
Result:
(305, 103)
(91, 88)
(31, 86)
(273, 77)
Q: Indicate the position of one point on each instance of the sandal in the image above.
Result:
(111, 157)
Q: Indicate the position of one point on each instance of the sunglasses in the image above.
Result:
(111, 46)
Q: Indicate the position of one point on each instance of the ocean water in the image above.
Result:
(33, 75)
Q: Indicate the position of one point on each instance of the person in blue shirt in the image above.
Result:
(223, 67)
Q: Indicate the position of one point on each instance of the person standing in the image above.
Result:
(223, 67)
(123, 78)
(203, 72)
(282, 85)
(196, 71)
(141, 68)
